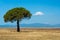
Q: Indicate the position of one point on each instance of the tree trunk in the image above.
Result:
(18, 29)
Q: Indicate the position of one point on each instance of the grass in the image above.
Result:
(29, 34)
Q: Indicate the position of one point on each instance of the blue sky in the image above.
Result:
(49, 8)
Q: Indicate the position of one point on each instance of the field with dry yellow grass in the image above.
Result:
(29, 34)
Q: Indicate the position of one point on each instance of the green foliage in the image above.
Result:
(17, 14)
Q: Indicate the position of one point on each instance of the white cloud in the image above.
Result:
(39, 13)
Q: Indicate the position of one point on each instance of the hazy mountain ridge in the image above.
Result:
(36, 25)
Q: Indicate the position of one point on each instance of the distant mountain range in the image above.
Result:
(33, 25)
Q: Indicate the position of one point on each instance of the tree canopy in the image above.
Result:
(17, 14)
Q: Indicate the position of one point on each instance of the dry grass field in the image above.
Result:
(29, 34)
